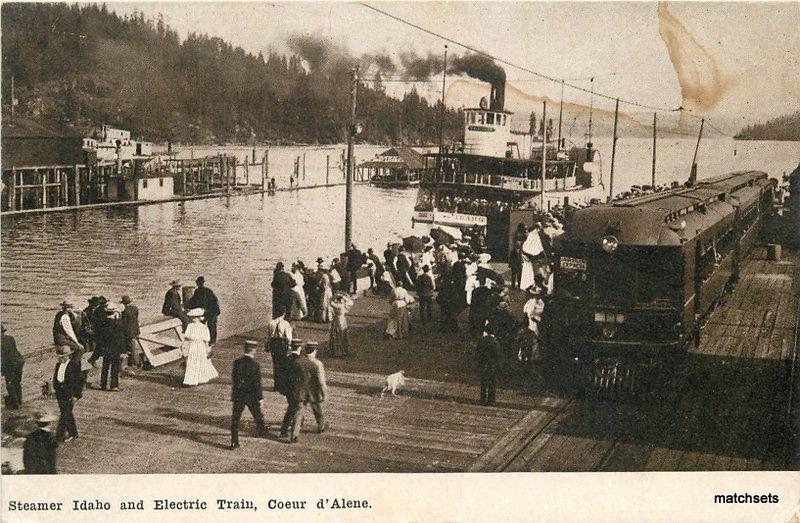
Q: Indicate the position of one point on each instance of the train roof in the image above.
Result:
(655, 219)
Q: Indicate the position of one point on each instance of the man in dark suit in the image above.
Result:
(111, 336)
(460, 283)
(246, 391)
(130, 327)
(39, 451)
(282, 283)
(425, 287)
(376, 270)
(317, 385)
(204, 298)
(297, 371)
(389, 259)
(68, 385)
(11, 362)
(488, 359)
(173, 303)
(354, 262)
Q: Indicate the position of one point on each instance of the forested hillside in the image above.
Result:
(80, 66)
(785, 128)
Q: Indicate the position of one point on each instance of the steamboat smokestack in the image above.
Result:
(497, 99)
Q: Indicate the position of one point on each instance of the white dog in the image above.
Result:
(394, 382)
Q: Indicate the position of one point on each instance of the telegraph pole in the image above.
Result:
(441, 113)
(544, 154)
(351, 132)
(653, 181)
(560, 114)
(613, 153)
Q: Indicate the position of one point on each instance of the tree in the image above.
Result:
(532, 124)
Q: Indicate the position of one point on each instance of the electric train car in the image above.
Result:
(637, 278)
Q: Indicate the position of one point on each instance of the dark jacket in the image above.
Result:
(205, 299)
(39, 452)
(10, 358)
(354, 260)
(282, 283)
(246, 380)
(173, 303)
(298, 376)
(59, 333)
(378, 264)
(489, 355)
(316, 382)
(73, 381)
(130, 321)
(110, 335)
(424, 285)
(388, 257)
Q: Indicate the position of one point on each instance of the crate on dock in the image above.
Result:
(161, 341)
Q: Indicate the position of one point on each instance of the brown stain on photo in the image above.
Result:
(703, 85)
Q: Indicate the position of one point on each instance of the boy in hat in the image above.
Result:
(318, 386)
(39, 452)
(68, 386)
(246, 391)
(11, 362)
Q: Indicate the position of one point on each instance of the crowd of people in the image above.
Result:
(445, 274)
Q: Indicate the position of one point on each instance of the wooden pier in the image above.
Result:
(726, 408)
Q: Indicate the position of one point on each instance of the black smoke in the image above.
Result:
(482, 68)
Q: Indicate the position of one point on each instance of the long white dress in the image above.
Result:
(199, 368)
(531, 247)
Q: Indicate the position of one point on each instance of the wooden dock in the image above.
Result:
(727, 407)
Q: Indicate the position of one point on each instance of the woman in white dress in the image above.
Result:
(199, 368)
(398, 323)
(532, 251)
(299, 307)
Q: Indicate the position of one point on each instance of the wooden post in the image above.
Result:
(43, 181)
(12, 191)
(247, 169)
(266, 165)
(77, 184)
(653, 179)
(254, 156)
(327, 168)
(304, 166)
(227, 174)
(544, 155)
(613, 151)
(263, 173)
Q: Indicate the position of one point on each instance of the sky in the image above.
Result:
(736, 63)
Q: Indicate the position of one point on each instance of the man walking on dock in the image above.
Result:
(279, 337)
(488, 359)
(246, 391)
(68, 386)
(111, 336)
(425, 287)
(204, 298)
(298, 375)
(282, 283)
(354, 262)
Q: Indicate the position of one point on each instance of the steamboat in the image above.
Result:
(496, 170)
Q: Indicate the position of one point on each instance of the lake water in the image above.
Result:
(235, 241)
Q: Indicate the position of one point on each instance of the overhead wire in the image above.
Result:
(592, 92)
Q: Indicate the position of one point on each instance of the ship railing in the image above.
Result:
(512, 183)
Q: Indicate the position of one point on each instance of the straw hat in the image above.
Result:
(175, 283)
(45, 417)
(196, 313)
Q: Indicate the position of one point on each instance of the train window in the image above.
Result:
(504, 119)
(490, 118)
(480, 118)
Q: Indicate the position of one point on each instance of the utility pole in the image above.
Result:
(560, 114)
(351, 132)
(653, 178)
(693, 172)
(544, 155)
(613, 153)
(441, 114)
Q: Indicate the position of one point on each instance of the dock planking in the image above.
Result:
(723, 409)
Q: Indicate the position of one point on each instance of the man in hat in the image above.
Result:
(354, 262)
(96, 317)
(318, 385)
(425, 288)
(277, 341)
(111, 336)
(130, 327)
(376, 268)
(298, 376)
(389, 259)
(39, 451)
(11, 362)
(530, 355)
(282, 284)
(489, 357)
(87, 338)
(173, 304)
(68, 386)
(204, 298)
(66, 325)
(246, 391)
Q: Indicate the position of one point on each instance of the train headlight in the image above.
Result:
(609, 332)
(609, 243)
(620, 318)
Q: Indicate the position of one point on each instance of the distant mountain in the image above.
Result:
(782, 128)
(79, 66)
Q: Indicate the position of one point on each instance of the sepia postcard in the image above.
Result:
(400, 261)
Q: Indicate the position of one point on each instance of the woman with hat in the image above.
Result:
(325, 294)
(398, 323)
(199, 368)
(339, 341)
(530, 351)
(298, 307)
